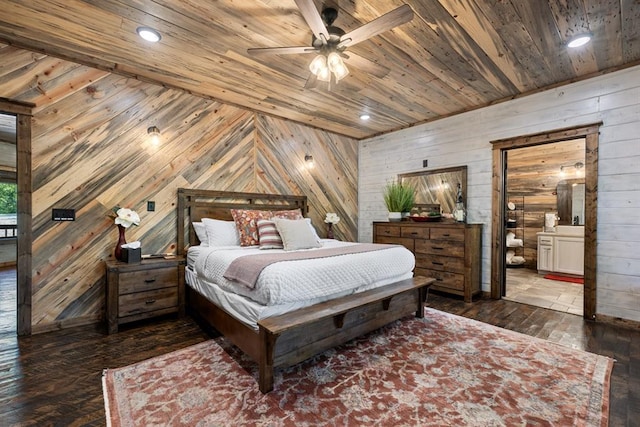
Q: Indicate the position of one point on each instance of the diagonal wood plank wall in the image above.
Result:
(91, 152)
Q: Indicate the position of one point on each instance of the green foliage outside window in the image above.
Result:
(8, 198)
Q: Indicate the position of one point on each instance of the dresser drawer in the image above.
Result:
(440, 247)
(407, 243)
(145, 280)
(387, 230)
(415, 232)
(443, 278)
(455, 234)
(144, 302)
(440, 263)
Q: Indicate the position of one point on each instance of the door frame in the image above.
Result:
(23, 112)
(590, 132)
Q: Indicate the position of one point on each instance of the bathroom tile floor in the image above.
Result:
(528, 287)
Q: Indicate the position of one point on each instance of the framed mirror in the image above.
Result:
(437, 187)
(570, 195)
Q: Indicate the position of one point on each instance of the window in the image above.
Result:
(8, 210)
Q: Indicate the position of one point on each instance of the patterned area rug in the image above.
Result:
(443, 370)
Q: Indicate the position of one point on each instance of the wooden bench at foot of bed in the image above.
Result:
(293, 337)
(290, 338)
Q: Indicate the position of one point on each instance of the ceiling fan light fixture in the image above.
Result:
(334, 61)
(318, 64)
(579, 40)
(324, 75)
(341, 72)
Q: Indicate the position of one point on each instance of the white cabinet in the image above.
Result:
(561, 253)
(568, 255)
(545, 253)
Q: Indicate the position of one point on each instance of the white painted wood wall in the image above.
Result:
(465, 139)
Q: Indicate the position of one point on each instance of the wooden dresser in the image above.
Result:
(146, 289)
(449, 252)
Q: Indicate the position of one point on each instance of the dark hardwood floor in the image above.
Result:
(54, 379)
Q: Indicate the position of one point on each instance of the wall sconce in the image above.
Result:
(578, 167)
(154, 134)
(308, 158)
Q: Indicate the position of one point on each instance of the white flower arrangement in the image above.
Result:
(126, 217)
(332, 218)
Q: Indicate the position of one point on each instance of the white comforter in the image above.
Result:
(293, 281)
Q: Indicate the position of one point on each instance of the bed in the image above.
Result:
(291, 332)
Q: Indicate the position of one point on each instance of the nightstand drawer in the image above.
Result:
(138, 291)
(143, 302)
(145, 280)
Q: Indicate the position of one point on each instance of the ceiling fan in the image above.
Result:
(329, 43)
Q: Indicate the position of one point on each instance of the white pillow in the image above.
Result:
(313, 229)
(221, 233)
(296, 234)
(201, 232)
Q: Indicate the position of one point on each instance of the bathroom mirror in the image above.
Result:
(438, 187)
(570, 196)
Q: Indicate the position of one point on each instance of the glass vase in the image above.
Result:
(121, 241)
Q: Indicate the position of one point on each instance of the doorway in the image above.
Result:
(22, 113)
(8, 224)
(537, 182)
(500, 152)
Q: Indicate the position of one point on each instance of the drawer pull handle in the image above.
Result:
(414, 233)
(437, 248)
(446, 234)
(150, 301)
(437, 263)
(439, 279)
(149, 280)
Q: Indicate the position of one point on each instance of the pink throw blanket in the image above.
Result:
(246, 269)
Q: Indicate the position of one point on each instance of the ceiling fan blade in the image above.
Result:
(281, 50)
(389, 20)
(313, 18)
(367, 65)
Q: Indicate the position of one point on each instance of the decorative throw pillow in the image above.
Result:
(288, 214)
(268, 235)
(201, 233)
(221, 233)
(296, 234)
(247, 224)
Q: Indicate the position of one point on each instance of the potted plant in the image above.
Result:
(398, 198)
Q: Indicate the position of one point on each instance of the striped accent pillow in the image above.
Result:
(268, 235)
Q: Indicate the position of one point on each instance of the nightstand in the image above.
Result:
(143, 290)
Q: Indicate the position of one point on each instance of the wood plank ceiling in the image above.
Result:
(454, 56)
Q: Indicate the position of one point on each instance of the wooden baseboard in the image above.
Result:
(618, 322)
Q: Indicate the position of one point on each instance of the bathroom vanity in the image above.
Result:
(561, 251)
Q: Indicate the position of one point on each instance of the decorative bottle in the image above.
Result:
(459, 213)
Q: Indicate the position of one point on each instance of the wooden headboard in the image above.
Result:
(193, 205)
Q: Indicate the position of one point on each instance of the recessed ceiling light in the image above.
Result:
(579, 40)
(365, 117)
(149, 34)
